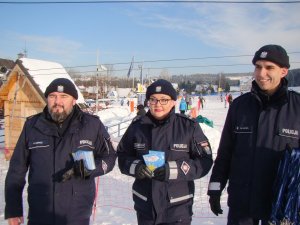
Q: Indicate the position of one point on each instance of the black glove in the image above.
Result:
(161, 173)
(215, 205)
(142, 171)
(80, 170)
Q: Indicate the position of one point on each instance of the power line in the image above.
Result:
(152, 68)
(156, 61)
(148, 1)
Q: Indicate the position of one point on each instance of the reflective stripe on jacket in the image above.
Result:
(256, 131)
(179, 137)
(47, 155)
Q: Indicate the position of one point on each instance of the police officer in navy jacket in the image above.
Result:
(258, 127)
(165, 195)
(61, 190)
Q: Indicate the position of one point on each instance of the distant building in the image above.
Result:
(246, 83)
(112, 95)
(6, 66)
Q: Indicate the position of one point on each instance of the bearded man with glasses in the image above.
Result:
(164, 195)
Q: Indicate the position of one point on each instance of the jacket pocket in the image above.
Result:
(178, 150)
(243, 137)
(82, 201)
(141, 194)
(40, 152)
(179, 193)
(286, 136)
(140, 149)
(38, 144)
(40, 203)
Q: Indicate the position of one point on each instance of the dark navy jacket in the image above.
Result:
(255, 134)
(182, 140)
(47, 155)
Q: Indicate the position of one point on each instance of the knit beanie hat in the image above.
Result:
(161, 87)
(62, 85)
(272, 53)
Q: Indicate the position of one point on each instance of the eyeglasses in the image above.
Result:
(163, 101)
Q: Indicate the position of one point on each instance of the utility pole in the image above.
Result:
(132, 78)
(97, 85)
(141, 73)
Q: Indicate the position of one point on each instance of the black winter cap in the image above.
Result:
(272, 53)
(62, 85)
(161, 87)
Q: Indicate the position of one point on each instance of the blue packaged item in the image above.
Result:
(154, 159)
(87, 157)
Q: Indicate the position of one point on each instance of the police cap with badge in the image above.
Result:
(161, 86)
(272, 53)
(63, 85)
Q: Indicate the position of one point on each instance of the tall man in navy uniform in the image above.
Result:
(258, 127)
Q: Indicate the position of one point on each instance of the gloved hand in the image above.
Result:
(161, 173)
(80, 170)
(142, 171)
(215, 205)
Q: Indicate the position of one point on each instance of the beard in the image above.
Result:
(59, 117)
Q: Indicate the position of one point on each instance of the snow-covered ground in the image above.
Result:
(114, 201)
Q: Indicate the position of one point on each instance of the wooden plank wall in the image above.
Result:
(21, 103)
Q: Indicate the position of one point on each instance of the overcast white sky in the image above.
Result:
(71, 34)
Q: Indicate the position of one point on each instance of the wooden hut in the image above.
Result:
(22, 95)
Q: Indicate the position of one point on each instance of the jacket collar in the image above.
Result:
(278, 98)
(149, 119)
(47, 126)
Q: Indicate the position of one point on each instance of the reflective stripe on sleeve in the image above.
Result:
(173, 170)
(132, 166)
(214, 186)
(139, 195)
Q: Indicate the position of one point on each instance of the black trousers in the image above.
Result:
(77, 222)
(244, 220)
(144, 221)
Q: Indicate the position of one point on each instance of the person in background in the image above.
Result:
(165, 195)
(258, 127)
(199, 104)
(140, 110)
(189, 103)
(182, 106)
(225, 100)
(61, 190)
(229, 99)
(202, 101)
